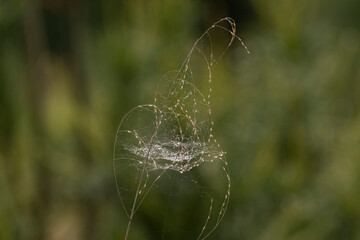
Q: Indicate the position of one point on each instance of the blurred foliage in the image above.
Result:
(287, 115)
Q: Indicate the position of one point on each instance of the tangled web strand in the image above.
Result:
(176, 132)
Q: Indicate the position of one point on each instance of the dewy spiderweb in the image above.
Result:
(172, 141)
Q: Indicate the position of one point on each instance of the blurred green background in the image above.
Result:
(287, 115)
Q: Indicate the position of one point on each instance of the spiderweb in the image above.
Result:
(169, 148)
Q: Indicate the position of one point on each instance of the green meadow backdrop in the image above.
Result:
(288, 115)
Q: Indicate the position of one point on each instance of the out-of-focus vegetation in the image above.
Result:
(287, 115)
